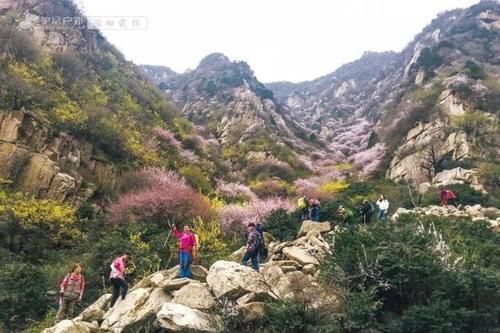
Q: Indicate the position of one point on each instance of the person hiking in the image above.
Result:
(445, 196)
(253, 245)
(315, 205)
(366, 211)
(187, 247)
(262, 248)
(342, 213)
(117, 277)
(383, 208)
(303, 206)
(71, 293)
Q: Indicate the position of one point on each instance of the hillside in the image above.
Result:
(100, 156)
(417, 108)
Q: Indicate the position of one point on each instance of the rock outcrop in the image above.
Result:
(49, 164)
(474, 213)
(162, 302)
(425, 146)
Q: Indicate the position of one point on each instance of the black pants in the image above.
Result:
(117, 285)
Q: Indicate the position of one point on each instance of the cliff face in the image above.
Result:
(47, 163)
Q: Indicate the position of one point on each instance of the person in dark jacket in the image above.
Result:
(252, 247)
(366, 211)
(262, 248)
(315, 206)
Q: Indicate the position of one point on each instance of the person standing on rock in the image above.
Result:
(383, 208)
(71, 293)
(254, 243)
(117, 277)
(187, 245)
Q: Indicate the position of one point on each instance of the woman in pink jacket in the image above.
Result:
(117, 277)
(187, 243)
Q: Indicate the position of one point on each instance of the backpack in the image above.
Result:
(301, 203)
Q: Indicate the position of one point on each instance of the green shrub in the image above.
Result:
(195, 177)
(23, 297)
(426, 273)
(283, 225)
(473, 70)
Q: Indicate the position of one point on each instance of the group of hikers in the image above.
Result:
(310, 210)
(73, 284)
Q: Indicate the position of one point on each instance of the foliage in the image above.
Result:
(32, 225)
(489, 173)
(427, 273)
(270, 168)
(161, 197)
(272, 188)
(211, 243)
(22, 294)
(333, 187)
(195, 177)
(473, 70)
(465, 195)
(282, 224)
(235, 193)
(234, 217)
(296, 317)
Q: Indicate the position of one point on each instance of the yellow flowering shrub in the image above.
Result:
(211, 244)
(333, 187)
(56, 218)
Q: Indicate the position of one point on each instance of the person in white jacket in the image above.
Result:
(383, 208)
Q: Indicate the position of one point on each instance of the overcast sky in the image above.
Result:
(293, 40)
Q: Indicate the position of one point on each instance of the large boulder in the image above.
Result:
(458, 176)
(96, 311)
(194, 295)
(229, 279)
(299, 255)
(180, 318)
(72, 326)
(137, 310)
(175, 284)
(252, 311)
(316, 227)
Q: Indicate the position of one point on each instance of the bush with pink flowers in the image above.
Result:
(156, 197)
(234, 217)
(235, 192)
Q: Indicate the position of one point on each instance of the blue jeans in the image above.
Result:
(382, 214)
(251, 256)
(315, 214)
(184, 264)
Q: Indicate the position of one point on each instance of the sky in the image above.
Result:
(282, 40)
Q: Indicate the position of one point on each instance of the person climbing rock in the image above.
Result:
(71, 293)
(117, 277)
(254, 242)
(445, 196)
(383, 208)
(187, 249)
(366, 211)
(315, 206)
(303, 206)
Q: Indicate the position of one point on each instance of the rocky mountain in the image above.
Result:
(225, 97)
(415, 107)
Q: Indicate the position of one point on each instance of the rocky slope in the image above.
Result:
(226, 97)
(372, 105)
(74, 113)
(161, 302)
